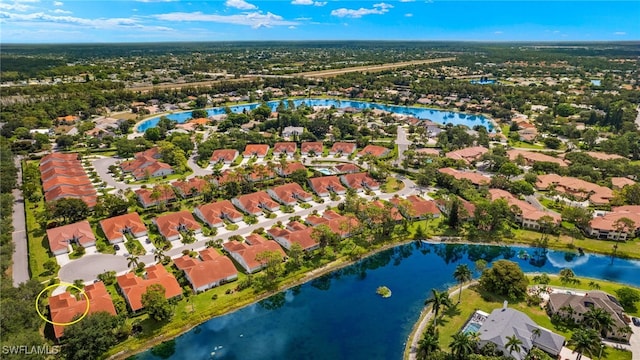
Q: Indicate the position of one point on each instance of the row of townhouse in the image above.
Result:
(62, 176)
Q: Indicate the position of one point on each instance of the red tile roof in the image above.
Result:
(339, 224)
(604, 156)
(342, 147)
(598, 195)
(84, 193)
(347, 168)
(213, 268)
(284, 147)
(224, 155)
(62, 176)
(249, 252)
(316, 147)
(374, 150)
(290, 193)
(64, 307)
(428, 151)
(60, 237)
(529, 212)
(214, 212)
(59, 157)
(259, 150)
(186, 187)
(393, 212)
(133, 287)
(260, 173)
(475, 178)
(64, 180)
(532, 156)
(620, 182)
(468, 155)
(360, 181)
(256, 202)
(290, 168)
(114, 227)
(50, 172)
(169, 225)
(301, 237)
(166, 194)
(323, 185)
(417, 206)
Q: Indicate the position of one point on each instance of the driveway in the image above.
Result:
(88, 267)
(20, 267)
(102, 168)
(402, 142)
(197, 170)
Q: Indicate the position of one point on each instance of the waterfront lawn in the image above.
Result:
(475, 299)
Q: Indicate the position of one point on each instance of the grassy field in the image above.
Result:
(475, 299)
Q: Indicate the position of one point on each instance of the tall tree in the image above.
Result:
(599, 320)
(585, 341)
(156, 304)
(513, 344)
(462, 274)
(90, 338)
(438, 300)
(462, 345)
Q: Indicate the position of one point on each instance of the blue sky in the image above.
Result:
(63, 21)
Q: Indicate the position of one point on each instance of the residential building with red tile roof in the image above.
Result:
(211, 269)
(192, 187)
(577, 188)
(620, 182)
(145, 196)
(466, 209)
(347, 168)
(475, 178)
(468, 155)
(62, 236)
(374, 150)
(146, 165)
(528, 215)
(324, 185)
(214, 214)
(258, 150)
(63, 176)
(132, 287)
(65, 307)
(428, 151)
(69, 119)
(606, 227)
(531, 157)
(171, 225)
(415, 207)
(116, 227)
(290, 168)
(339, 224)
(359, 182)
(246, 253)
(256, 203)
(261, 173)
(288, 148)
(314, 147)
(342, 148)
(604, 156)
(225, 156)
(300, 235)
(289, 194)
(394, 213)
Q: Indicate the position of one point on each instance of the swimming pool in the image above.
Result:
(471, 327)
(325, 171)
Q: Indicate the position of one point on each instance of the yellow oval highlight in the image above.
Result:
(86, 311)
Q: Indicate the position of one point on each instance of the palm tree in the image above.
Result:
(599, 320)
(462, 345)
(133, 261)
(622, 224)
(513, 344)
(428, 344)
(535, 333)
(462, 274)
(585, 341)
(158, 255)
(438, 300)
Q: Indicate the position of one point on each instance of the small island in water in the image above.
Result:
(383, 291)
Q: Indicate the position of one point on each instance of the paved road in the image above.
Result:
(531, 199)
(403, 143)
(197, 170)
(102, 168)
(20, 267)
(89, 267)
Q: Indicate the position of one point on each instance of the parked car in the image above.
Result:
(116, 247)
(635, 321)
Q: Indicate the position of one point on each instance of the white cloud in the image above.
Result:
(100, 23)
(497, 32)
(302, 19)
(308, 2)
(292, 27)
(152, 1)
(407, 0)
(60, 11)
(379, 9)
(408, 15)
(619, 33)
(254, 19)
(58, 3)
(240, 4)
(16, 6)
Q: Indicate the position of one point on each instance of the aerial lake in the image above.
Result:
(340, 316)
(437, 116)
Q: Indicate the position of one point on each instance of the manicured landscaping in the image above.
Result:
(38, 245)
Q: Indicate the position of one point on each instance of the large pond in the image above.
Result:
(438, 116)
(339, 316)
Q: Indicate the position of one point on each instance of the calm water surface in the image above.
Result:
(339, 316)
(438, 116)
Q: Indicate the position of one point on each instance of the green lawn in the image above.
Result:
(392, 185)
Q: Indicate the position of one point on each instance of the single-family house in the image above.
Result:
(468, 155)
(147, 197)
(531, 157)
(290, 168)
(359, 182)
(342, 148)
(214, 214)
(289, 194)
(171, 225)
(393, 212)
(620, 182)
(256, 203)
(247, 253)
(576, 188)
(375, 151)
(475, 178)
(64, 307)
(192, 187)
(287, 148)
(527, 216)
(225, 156)
(611, 227)
(294, 233)
(313, 148)
(261, 173)
(339, 224)
(116, 227)
(347, 168)
(415, 207)
(325, 185)
(258, 150)
(466, 209)
(211, 269)
(133, 287)
(61, 237)
(146, 165)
